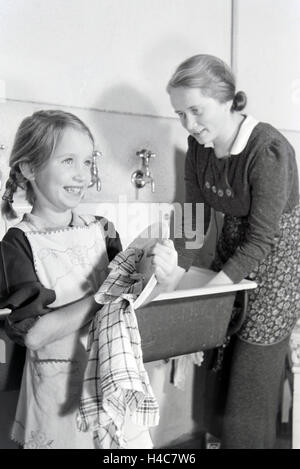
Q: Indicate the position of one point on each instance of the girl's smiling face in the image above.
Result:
(62, 182)
(202, 116)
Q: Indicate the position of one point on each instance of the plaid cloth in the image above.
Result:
(115, 380)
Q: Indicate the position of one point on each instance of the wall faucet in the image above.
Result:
(141, 177)
(95, 179)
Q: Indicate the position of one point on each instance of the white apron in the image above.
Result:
(73, 262)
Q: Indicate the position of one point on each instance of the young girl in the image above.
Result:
(53, 261)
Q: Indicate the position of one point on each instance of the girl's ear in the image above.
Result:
(27, 171)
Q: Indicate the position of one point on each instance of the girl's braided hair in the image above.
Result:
(34, 143)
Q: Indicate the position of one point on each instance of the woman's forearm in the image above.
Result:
(61, 322)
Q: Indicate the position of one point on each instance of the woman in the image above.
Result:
(247, 170)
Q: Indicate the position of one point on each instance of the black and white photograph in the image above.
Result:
(149, 227)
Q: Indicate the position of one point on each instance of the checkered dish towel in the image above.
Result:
(115, 378)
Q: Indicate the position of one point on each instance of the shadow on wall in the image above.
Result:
(125, 96)
(132, 131)
(122, 135)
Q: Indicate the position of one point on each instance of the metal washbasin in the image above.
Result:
(186, 325)
(191, 319)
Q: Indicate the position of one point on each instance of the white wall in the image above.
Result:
(268, 59)
(105, 54)
(267, 62)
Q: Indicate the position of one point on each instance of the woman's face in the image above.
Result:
(203, 117)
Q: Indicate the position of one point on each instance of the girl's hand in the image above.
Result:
(165, 261)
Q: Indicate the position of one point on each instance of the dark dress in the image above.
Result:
(257, 190)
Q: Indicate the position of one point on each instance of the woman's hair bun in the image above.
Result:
(239, 101)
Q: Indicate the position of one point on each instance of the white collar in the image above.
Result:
(243, 136)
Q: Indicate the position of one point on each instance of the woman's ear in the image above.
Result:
(27, 171)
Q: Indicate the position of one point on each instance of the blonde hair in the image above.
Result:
(213, 76)
(34, 143)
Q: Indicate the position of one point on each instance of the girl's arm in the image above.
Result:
(61, 323)
(68, 319)
(25, 296)
(20, 289)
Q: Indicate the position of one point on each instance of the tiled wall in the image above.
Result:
(118, 137)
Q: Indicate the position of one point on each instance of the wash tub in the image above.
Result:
(192, 318)
(186, 325)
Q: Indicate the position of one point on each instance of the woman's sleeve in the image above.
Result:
(20, 289)
(195, 214)
(269, 177)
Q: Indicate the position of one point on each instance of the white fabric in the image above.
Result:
(183, 366)
(71, 261)
(115, 380)
(51, 385)
(242, 137)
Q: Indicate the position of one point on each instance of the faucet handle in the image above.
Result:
(97, 153)
(150, 154)
(144, 153)
(141, 153)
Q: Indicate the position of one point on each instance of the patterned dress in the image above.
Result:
(274, 306)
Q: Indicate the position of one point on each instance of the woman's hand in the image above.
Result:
(165, 261)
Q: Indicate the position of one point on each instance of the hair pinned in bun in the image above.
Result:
(239, 101)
